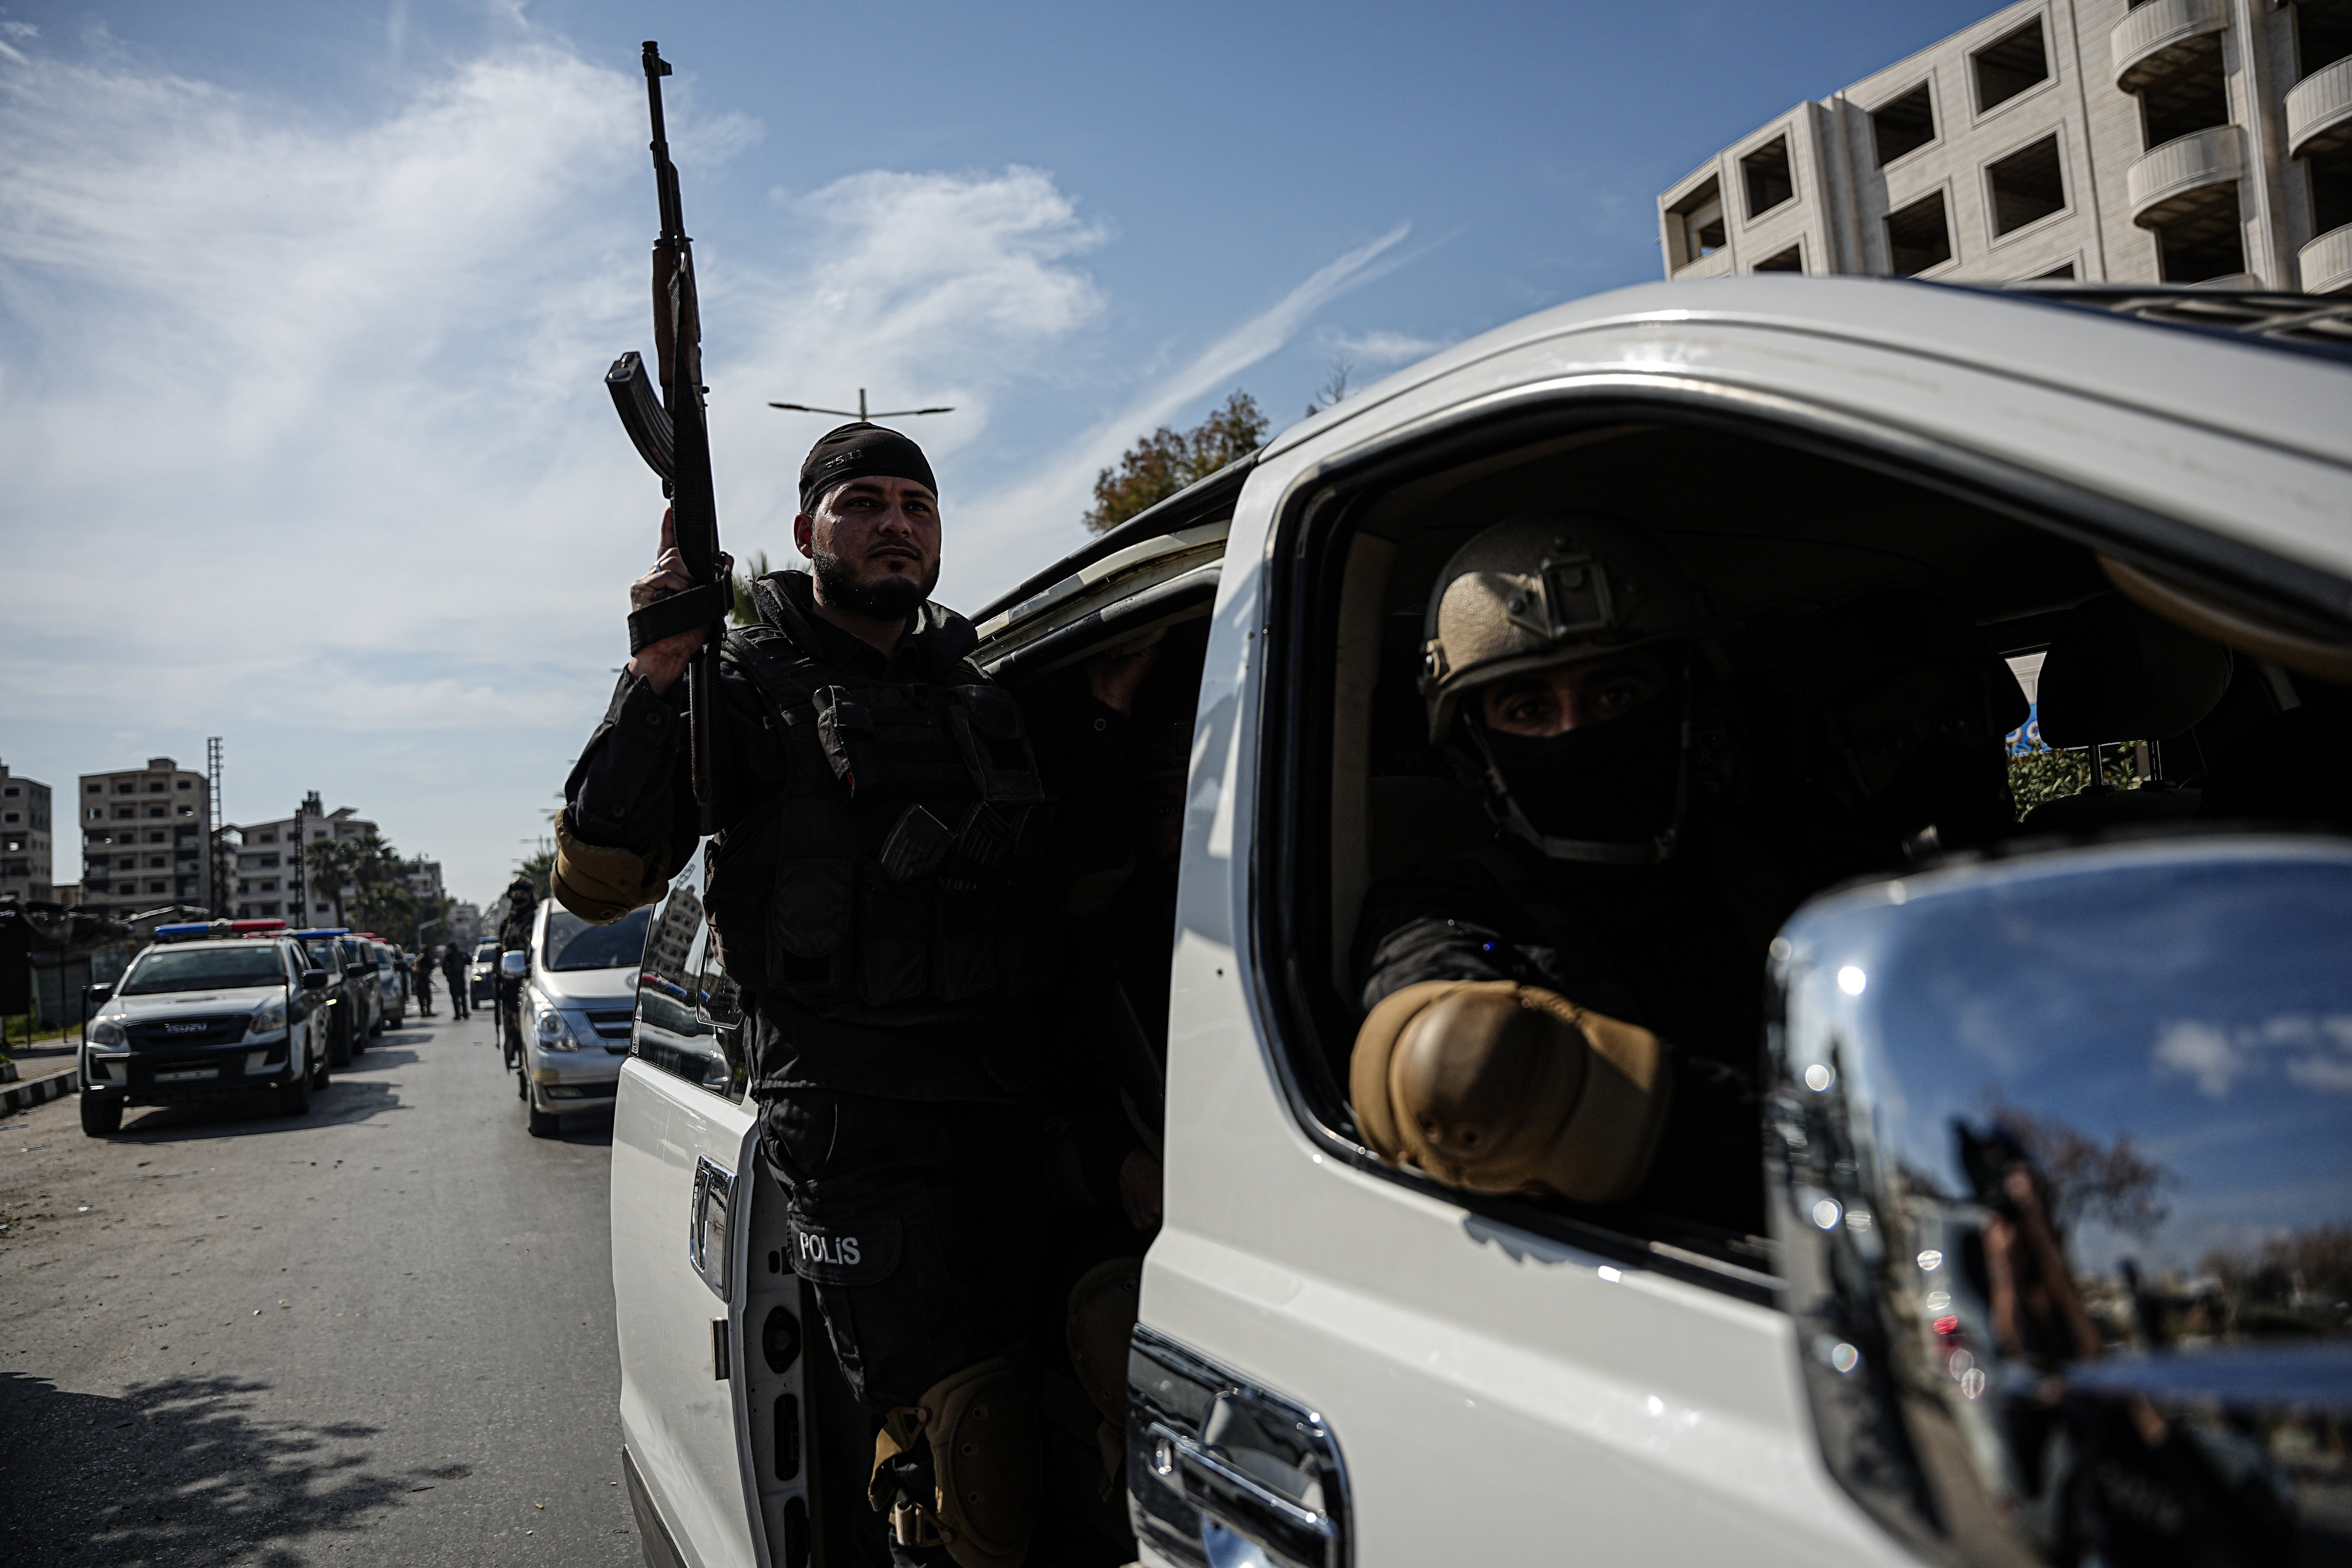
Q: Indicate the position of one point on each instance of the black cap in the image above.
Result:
(862, 451)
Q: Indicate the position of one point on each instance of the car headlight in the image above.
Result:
(554, 1034)
(267, 1021)
(107, 1032)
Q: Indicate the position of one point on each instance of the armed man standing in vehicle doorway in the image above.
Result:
(884, 886)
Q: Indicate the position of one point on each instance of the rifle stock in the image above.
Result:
(672, 435)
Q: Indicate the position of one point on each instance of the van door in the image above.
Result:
(684, 1142)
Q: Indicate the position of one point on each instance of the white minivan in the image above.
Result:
(2055, 1135)
(576, 1007)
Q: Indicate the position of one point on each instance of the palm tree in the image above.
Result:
(334, 864)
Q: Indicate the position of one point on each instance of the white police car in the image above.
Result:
(225, 1008)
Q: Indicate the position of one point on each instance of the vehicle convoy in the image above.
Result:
(577, 1003)
(2053, 1130)
(361, 963)
(392, 974)
(349, 994)
(228, 1008)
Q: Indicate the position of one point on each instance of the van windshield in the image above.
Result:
(573, 943)
(205, 969)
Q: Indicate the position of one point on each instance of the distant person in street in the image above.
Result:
(514, 936)
(423, 972)
(886, 887)
(453, 970)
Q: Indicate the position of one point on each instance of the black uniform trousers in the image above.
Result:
(920, 1227)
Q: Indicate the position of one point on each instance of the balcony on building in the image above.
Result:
(2186, 191)
(2319, 137)
(2159, 39)
(2319, 110)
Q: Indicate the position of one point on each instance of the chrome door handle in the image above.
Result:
(707, 1244)
(1242, 1502)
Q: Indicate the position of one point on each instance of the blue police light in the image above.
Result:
(323, 931)
(196, 928)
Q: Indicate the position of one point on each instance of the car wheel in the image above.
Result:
(338, 1047)
(294, 1099)
(320, 1071)
(545, 1123)
(101, 1115)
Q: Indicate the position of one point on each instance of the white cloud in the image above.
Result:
(303, 426)
(2218, 1058)
(1028, 525)
(2202, 1052)
(1382, 347)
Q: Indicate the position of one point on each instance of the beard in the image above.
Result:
(889, 598)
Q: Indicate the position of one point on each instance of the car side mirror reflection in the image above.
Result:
(2055, 1158)
(514, 966)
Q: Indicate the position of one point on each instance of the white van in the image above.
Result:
(1952, 1346)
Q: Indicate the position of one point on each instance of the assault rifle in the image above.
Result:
(673, 437)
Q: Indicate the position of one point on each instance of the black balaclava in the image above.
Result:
(861, 451)
(1614, 781)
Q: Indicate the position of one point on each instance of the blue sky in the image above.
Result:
(303, 310)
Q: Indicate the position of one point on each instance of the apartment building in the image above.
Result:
(466, 925)
(144, 839)
(27, 865)
(2104, 140)
(424, 880)
(272, 882)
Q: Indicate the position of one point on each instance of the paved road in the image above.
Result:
(380, 1332)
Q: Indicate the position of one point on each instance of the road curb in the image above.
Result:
(33, 1091)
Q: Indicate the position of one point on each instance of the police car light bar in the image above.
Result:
(322, 932)
(174, 933)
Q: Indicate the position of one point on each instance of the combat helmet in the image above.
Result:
(1535, 592)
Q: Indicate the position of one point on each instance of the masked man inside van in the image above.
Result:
(884, 888)
(1576, 1009)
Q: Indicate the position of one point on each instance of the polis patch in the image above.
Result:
(865, 1254)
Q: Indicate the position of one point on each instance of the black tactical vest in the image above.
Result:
(903, 872)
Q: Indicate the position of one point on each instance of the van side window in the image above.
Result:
(1629, 741)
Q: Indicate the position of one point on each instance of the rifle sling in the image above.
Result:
(690, 610)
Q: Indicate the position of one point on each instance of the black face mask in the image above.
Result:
(1612, 783)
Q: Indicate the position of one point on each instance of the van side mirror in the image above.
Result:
(314, 979)
(514, 966)
(2054, 1151)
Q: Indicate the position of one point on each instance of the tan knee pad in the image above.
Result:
(1502, 1088)
(981, 1424)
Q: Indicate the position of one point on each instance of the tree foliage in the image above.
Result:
(2089, 1179)
(1167, 461)
(369, 882)
(540, 869)
(743, 612)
